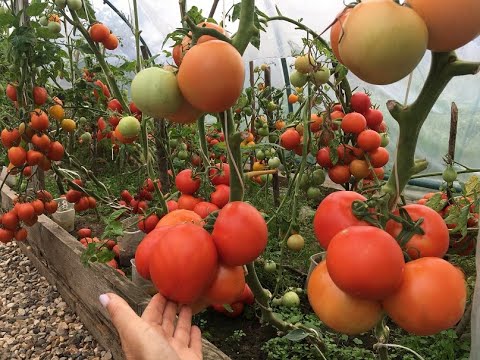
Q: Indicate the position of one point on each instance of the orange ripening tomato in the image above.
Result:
(180, 216)
(99, 32)
(211, 76)
(431, 298)
(228, 285)
(338, 310)
(336, 32)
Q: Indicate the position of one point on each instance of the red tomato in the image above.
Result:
(378, 157)
(247, 296)
(221, 195)
(436, 239)
(184, 263)
(148, 224)
(228, 285)
(187, 202)
(290, 139)
(431, 298)
(354, 123)
(323, 158)
(146, 248)
(369, 140)
(204, 208)
(360, 102)
(172, 205)
(220, 174)
(374, 118)
(185, 183)
(339, 174)
(240, 233)
(366, 262)
(338, 310)
(334, 214)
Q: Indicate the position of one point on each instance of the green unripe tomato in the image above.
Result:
(274, 162)
(290, 299)
(385, 140)
(54, 27)
(260, 155)
(266, 177)
(173, 143)
(43, 21)
(321, 76)
(314, 193)
(268, 293)
(270, 266)
(273, 138)
(61, 3)
(263, 131)
(299, 291)
(271, 106)
(304, 181)
(304, 63)
(182, 155)
(248, 111)
(129, 127)
(182, 146)
(86, 137)
(449, 174)
(74, 5)
(318, 177)
(298, 79)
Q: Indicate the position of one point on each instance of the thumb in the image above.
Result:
(122, 315)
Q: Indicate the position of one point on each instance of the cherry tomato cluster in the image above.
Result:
(100, 33)
(366, 272)
(354, 145)
(25, 213)
(82, 201)
(215, 273)
(139, 203)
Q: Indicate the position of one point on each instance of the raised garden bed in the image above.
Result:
(56, 254)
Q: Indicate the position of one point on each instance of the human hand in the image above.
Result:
(157, 334)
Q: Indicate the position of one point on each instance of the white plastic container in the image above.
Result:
(315, 259)
(65, 214)
(130, 240)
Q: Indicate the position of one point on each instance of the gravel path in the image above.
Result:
(35, 322)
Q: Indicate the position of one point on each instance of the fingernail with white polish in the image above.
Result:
(104, 300)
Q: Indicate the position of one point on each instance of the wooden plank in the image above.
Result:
(56, 255)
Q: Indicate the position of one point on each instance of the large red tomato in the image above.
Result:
(144, 250)
(185, 183)
(436, 239)
(366, 262)
(220, 174)
(184, 263)
(228, 285)
(336, 31)
(338, 310)
(240, 233)
(431, 298)
(211, 76)
(334, 214)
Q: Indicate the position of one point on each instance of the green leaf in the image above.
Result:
(105, 255)
(45, 33)
(436, 202)
(296, 335)
(6, 19)
(236, 11)
(112, 230)
(472, 185)
(36, 9)
(357, 341)
(195, 14)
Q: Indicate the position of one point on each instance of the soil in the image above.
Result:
(220, 330)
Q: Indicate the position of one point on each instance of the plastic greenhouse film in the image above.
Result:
(475, 349)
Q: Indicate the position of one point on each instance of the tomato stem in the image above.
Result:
(246, 28)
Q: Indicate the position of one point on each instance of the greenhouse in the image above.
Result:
(216, 179)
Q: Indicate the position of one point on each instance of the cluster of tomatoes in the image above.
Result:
(16, 140)
(215, 273)
(460, 213)
(121, 130)
(365, 272)
(188, 184)
(355, 146)
(416, 23)
(85, 238)
(139, 203)
(182, 96)
(100, 33)
(81, 200)
(25, 213)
